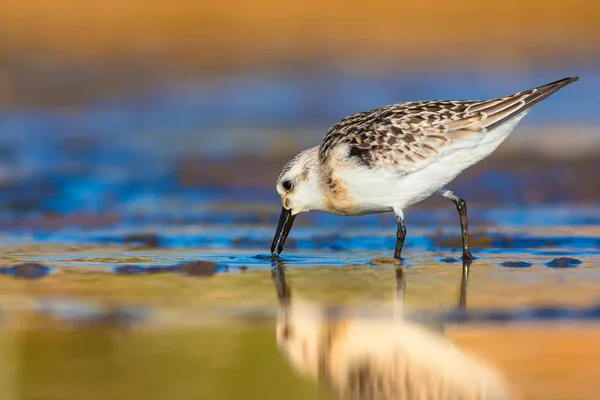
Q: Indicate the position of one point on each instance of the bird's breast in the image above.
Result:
(340, 200)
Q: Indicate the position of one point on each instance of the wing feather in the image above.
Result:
(408, 136)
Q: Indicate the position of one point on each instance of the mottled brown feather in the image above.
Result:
(407, 136)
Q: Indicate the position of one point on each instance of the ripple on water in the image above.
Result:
(531, 314)
(516, 264)
(27, 270)
(191, 268)
(516, 241)
(449, 260)
(564, 262)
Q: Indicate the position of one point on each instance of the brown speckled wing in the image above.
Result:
(401, 137)
(405, 137)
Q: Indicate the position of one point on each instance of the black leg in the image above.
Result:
(461, 207)
(400, 236)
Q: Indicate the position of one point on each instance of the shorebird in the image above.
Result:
(392, 157)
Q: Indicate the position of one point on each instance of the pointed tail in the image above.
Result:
(503, 109)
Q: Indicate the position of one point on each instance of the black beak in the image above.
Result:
(286, 220)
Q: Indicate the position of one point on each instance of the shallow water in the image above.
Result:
(189, 308)
(138, 266)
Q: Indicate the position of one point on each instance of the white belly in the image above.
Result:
(380, 191)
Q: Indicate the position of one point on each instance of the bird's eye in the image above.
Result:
(287, 185)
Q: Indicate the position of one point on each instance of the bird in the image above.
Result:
(392, 157)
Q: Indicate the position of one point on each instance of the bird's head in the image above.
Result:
(298, 186)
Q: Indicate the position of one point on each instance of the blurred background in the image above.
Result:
(137, 136)
(105, 104)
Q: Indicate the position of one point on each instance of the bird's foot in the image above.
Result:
(467, 256)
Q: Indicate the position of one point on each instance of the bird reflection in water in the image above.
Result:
(379, 358)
